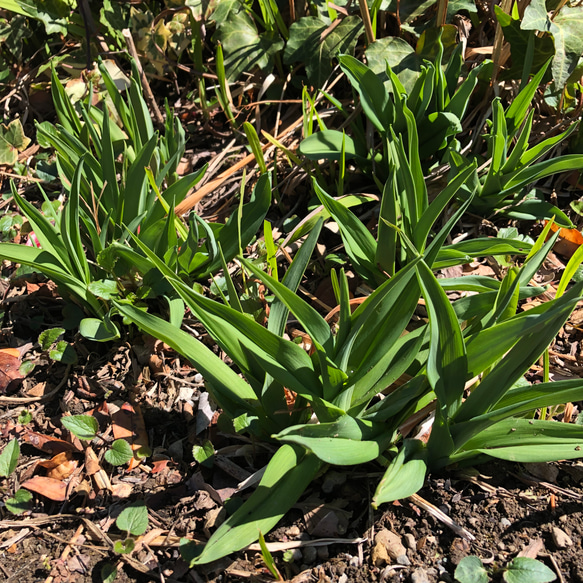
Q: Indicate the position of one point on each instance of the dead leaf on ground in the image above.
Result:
(128, 423)
(9, 368)
(61, 466)
(48, 444)
(568, 242)
(47, 487)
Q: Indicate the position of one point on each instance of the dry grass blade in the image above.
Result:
(442, 517)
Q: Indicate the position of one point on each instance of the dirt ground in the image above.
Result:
(499, 510)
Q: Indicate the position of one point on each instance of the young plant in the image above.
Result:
(520, 570)
(133, 519)
(82, 248)
(8, 463)
(368, 351)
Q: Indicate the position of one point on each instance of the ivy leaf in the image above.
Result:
(525, 570)
(81, 426)
(12, 141)
(120, 453)
(104, 288)
(133, 518)
(19, 503)
(305, 44)
(566, 30)
(244, 48)
(9, 458)
(568, 42)
(544, 47)
(400, 56)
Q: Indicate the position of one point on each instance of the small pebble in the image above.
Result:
(504, 522)
(295, 555)
(419, 576)
(501, 546)
(410, 541)
(354, 562)
(473, 521)
(403, 560)
(310, 554)
(293, 531)
(343, 578)
(561, 538)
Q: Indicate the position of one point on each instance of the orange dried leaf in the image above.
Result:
(9, 367)
(61, 466)
(46, 443)
(568, 242)
(128, 423)
(47, 487)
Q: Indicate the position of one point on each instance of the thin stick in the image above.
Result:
(191, 201)
(145, 85)
(442, 517)
(366, 20)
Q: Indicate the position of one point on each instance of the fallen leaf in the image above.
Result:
(128, 423)
(46, 443)
(568, 242)
(61, 466)
(9, 367)
(47, 487)
(159, 465)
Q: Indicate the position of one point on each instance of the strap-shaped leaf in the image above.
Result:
(308, 317)
(516, 112)
(229, 390)
(374, 99)
(405, 474)
(447, 363)
(344, 442)
(526, 336)
(250, 345)
(379, 321)
(52, 267)
(286, 477)
(231, 238)
(519, 401)
(525, 440)
(358, 241)
(70, 229)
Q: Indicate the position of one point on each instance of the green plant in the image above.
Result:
(133, 519)
(9, 458)
(520, 570)
(81, 246)
(361, 357)
(421, 126)
(8, 463)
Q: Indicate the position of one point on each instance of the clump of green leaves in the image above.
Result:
(19, 503)
(519, 570)
(133, 519)
(481, 337)
(115, 179)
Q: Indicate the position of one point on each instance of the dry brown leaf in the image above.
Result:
(47, 487)
(47, 443)
(9, 367)
(61, 466)
(568, 242)
(95, 470)
(128, 423)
